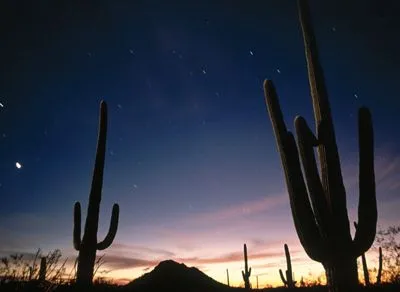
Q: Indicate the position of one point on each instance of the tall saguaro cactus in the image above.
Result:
(318, 203)
(88, 245)
(247, 271)
(288, 282)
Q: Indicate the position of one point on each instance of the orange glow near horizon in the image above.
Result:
(267, 275)
(267, 269)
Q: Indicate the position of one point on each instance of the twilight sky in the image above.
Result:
(191, 159)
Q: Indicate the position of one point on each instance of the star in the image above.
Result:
(18, 165)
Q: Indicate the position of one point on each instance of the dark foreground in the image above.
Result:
(40, 287)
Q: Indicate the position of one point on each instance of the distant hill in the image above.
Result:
(172, 276)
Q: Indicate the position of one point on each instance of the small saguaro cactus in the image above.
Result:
(247, 271)
(379, 275)
(227, 277)
(288, 282)
(88, 246)
(317, 195)
(43, 269)
(365, 266)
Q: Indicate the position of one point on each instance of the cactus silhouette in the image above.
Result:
(318, 204)
(43, 269)
(379, 275)
(365, 266)
(88, 245)
(288, 282)
(247, 271)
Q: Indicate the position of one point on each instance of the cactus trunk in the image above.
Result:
(341, 274)
(43, 269)
(86, 260)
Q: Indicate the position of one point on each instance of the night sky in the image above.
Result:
(191, 158)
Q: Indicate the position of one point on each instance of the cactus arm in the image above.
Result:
(328, 153)
(303, 216)
(302, 212)
(112, 231)
(77, 226)
(306, 142)
(378, 277)
(282, 277)
(367, 209)
(315, 73)
(331, 175)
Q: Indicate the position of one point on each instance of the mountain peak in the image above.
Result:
(169, 275)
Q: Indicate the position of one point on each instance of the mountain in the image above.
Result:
(172, 276)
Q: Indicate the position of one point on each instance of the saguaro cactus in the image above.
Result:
(365, 266)
(247, 271)
(288, 282)
(88, 245)
(43, 269)
(227, 277)
(318, 204)
(379, 275)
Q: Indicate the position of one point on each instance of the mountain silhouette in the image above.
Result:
(172, 276)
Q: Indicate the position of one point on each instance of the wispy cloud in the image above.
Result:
(226, 258)
(123, 262)
(115, 262)
(281, 263)
(242, 209)
(129, 248)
